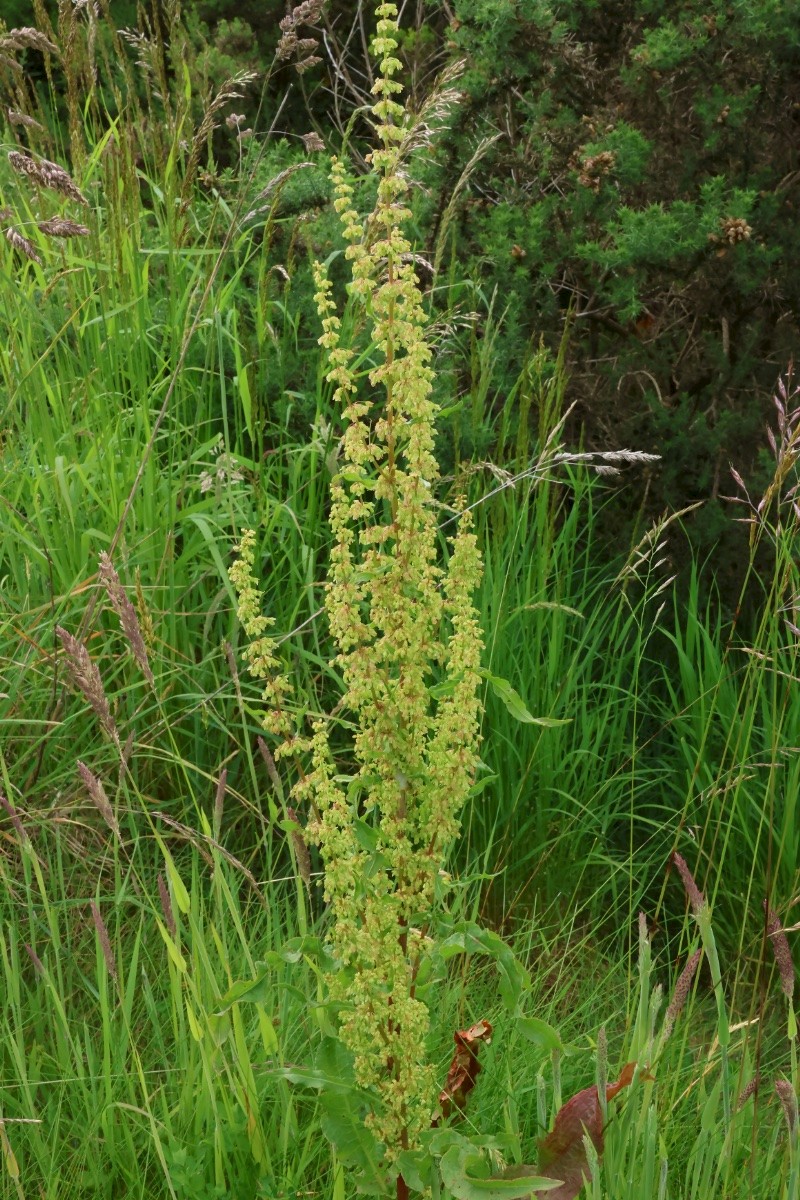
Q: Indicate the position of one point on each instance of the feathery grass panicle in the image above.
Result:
(145, 616)
(126, 613)
(46, 174)
(86, 679)
(232, 89)
(97, 794)
(23, 244)
(22, 119)
(62, 227)
(26, 37)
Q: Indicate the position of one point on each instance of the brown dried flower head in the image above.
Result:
(749, 1089)
(97, 794)
(13, 816)
(105, 941)
(595, 167)
(300, 848)
(735, 229)
(292, 46)
(682, 989)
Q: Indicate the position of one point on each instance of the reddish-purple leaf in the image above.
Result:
(562, 1154)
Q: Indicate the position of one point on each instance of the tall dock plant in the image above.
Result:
(409, 647)
(401, 621)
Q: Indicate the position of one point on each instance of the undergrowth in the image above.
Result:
(165, 943)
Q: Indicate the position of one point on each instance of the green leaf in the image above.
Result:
(541, 1034)
(481, 784)
(467, 937)
(415, 1167)
(297, 949)
(332, 1071)
(466, 1176)
(366, 835)
(252, 991)
(516, 705)
(342, 1123)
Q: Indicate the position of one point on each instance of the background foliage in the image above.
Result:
(164, 1029)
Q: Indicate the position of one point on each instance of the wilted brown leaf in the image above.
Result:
(465, 1066)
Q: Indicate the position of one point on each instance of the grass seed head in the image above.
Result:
(129, 621)
(86, 679)
(21, 243)
(780, 947)
(47, 174)
(62, 227)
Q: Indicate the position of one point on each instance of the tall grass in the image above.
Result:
(160, 1019)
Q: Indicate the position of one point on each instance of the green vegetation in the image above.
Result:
(215, 887)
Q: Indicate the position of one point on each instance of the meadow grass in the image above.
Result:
(163, 1023)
